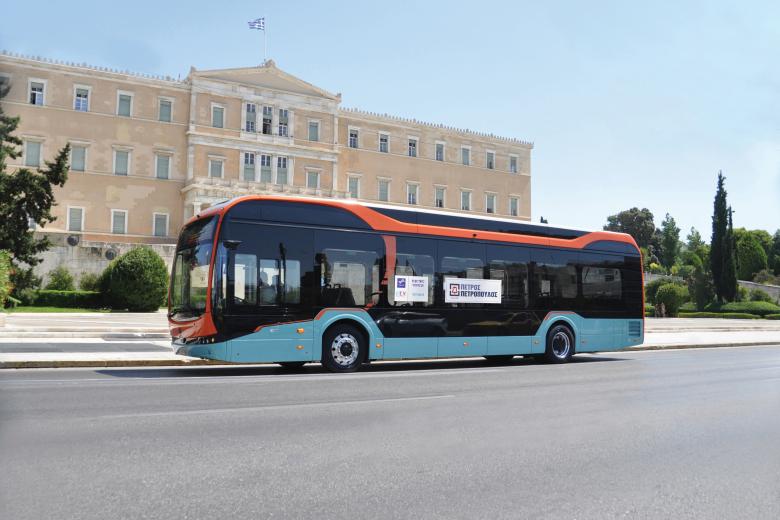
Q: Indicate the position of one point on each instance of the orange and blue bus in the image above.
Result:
(275, 279)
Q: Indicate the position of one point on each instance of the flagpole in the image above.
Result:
(265, 46)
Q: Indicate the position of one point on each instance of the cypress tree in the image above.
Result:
(717, 244)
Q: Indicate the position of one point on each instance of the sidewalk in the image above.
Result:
(103, 340)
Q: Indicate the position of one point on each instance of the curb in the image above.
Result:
(188, 362)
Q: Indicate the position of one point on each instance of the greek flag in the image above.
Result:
(257, 24)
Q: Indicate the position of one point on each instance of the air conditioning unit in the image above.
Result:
(111, 254)
(73, 240)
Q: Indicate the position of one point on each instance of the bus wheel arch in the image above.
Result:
(560, 342)
(339, 340)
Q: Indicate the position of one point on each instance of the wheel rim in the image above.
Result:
(561, 344)
(345, 349)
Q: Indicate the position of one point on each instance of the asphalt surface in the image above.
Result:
(669, 434)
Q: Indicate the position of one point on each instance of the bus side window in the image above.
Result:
(461, 260)
(245, 289)
(555, 279)
(413, 265)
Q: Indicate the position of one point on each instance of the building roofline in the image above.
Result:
(94, 68)
(398, 119)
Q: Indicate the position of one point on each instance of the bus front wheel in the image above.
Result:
(343, 348)
(560, 344)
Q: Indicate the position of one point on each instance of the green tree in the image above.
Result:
(60, 279)
(25, 195)
(776, 252)
(672, 296)
(670, 241)
(699, 282)
(5, 277)
(639, 223)
(722, 261)
(751, 257)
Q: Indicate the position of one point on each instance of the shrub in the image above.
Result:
(25, 285)
(69, 299)
(772, 316)
(656, 268)
(759, 308)
(672, 296)
(136, 281)
(5, 277)
(60, 279)
(727, 315)
(649, 310)
(652, 288)
(766, 276)
(760, 295)
(89, 282)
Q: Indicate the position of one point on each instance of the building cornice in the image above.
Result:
(464, 133)
(84, 68)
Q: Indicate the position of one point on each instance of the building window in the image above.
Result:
(490, 203)
(412, 192)
(81, 99)
(412, 147)
(514, 206)
(383, 188)
(513, 164)
(268, 116)
(439, 152)
(266, 175)
(32, 153)
(160, 224)
(163, 166)
(165, 110)
(465, 156)
(216, 168)
(217, 116)
(312, 180)
(353, 138)
(438, 197)
(490, 160)
(283, 122)
(249, 166)
(119, 221)
(314, 130)
(251, 118)
(121, 162)
(281, 170)
(75, 219)
(465, 200)
(384, 143)
(124, 104)
(37, 92)
(78, 158)
(353, 187)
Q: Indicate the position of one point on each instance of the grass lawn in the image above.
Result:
(52, 309)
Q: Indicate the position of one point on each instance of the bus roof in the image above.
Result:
(434, 218)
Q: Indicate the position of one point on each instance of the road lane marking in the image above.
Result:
(177, 413)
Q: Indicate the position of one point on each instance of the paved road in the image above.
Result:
(670, 434)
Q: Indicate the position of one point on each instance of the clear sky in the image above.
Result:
(628, 103)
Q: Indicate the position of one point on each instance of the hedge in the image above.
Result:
(5, 276)
(772, 317)
(726, 315)
(760, 308)
(69, 299)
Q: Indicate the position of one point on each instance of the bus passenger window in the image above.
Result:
(413, 265)
(348, 277)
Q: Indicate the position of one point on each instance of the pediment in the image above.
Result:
(267, 76)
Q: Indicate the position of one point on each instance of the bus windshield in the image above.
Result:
(189, 286)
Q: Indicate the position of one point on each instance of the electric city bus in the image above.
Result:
(275, 279)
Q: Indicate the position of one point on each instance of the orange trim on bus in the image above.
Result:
(379, 222)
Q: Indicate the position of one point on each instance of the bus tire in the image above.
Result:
(291, 365)
(343, 348)
(500, 359)
(560, 344)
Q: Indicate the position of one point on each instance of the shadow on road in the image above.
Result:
(316, 368)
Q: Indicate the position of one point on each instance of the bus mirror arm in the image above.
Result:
(231, 244)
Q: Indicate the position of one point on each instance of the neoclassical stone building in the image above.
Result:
(149, 152)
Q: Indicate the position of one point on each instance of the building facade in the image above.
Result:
(148, 152)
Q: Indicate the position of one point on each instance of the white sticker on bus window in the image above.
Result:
(411, 289)
(472, 290)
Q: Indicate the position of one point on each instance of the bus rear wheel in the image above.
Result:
(560, 344)
(343, 348)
